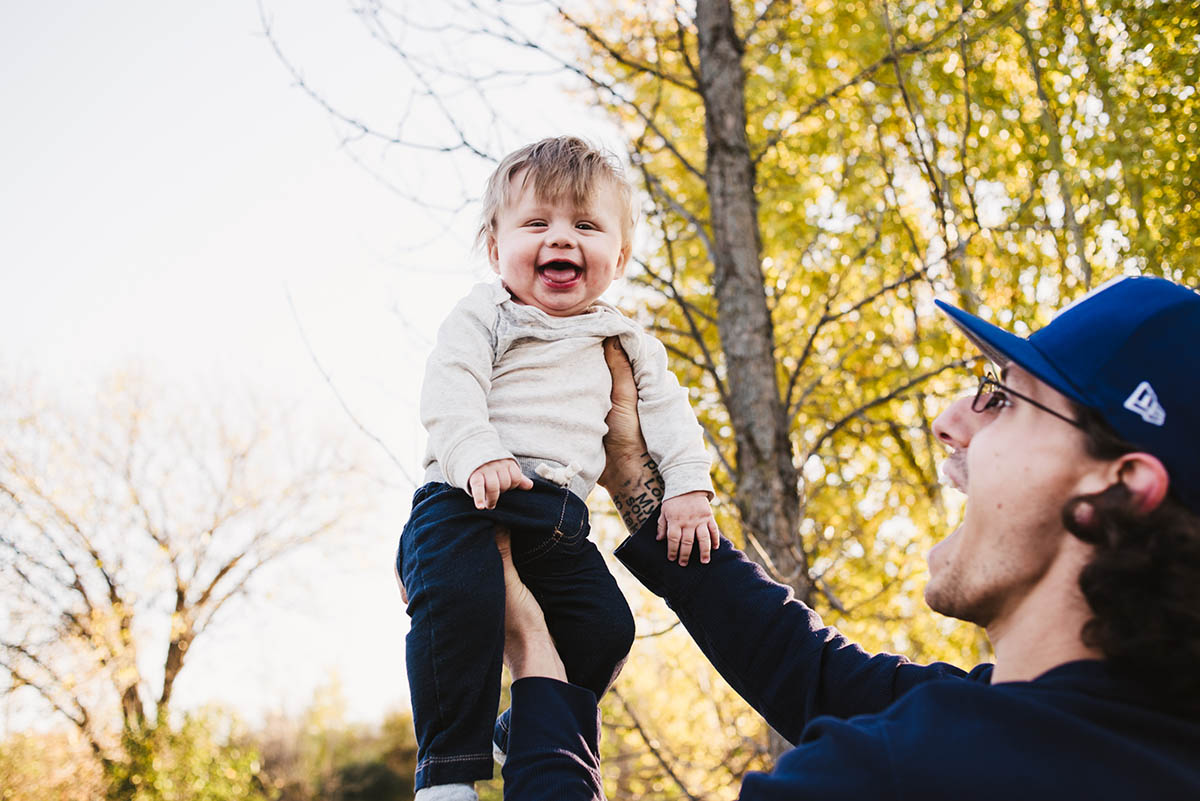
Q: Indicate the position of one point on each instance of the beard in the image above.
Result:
(951, 599)
(950, 591)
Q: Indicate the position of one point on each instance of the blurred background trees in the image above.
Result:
(812, 175)
(210, 756)
(133, 524)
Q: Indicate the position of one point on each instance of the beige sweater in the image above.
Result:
(506, 380)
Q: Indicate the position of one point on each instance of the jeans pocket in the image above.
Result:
(572, 517)
(560, 534)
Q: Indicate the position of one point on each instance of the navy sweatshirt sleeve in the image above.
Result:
(553, 754)
(770, 647)
(1076, 731)
(553, 748)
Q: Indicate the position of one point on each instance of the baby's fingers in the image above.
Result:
(687, 539)
(478, 489)
(492, 487)
(704, 541)
(674, 533)
(517, 479)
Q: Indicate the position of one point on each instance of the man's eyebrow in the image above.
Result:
(1004, 373)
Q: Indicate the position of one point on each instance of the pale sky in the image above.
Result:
(161, 183)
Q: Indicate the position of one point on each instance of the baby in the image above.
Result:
(514, 400)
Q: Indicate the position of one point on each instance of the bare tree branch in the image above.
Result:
(342, 401)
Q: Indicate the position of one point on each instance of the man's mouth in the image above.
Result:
(559, 273)
(954, 471)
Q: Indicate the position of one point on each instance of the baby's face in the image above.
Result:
(556, 256)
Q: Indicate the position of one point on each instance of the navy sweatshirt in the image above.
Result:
(867, 727)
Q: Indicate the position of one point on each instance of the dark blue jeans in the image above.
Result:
(452, 572)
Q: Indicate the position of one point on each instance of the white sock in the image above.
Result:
(447, 792)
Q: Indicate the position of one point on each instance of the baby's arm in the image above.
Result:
(676, 442)
(454, 410)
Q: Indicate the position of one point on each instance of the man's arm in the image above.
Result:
(771, 648)
(630, 474)
(639, 492)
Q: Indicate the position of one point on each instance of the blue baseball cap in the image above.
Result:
(1130, 350)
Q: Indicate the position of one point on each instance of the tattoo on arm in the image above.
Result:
(639, 495)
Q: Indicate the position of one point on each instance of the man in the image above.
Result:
(1079, 553)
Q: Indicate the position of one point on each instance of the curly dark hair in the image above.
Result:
(1143, 585)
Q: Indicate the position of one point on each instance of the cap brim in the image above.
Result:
(1005, 348)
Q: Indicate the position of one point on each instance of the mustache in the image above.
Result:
(954, 470)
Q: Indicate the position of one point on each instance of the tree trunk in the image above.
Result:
(767, 493)
(767, 483)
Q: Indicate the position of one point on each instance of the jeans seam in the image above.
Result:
(552, 541)
(437, 692)
(541, 549)
(562, 515)
(436, 760)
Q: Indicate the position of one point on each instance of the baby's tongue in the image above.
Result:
(560, 274)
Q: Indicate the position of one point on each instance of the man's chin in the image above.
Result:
(943, 593)
(949, 599)
(940, 554)
(935, 597)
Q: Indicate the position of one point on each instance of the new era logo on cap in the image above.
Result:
(1144, 403)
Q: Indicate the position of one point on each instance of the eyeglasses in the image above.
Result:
(992, 394)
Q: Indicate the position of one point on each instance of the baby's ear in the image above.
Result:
(623, 260)
(493, 253)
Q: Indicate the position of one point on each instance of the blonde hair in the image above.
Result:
(561, 168)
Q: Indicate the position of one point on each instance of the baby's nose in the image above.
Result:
(561, 237)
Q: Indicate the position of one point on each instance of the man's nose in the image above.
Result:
(957, 423)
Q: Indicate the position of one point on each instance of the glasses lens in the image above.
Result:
(979, 403)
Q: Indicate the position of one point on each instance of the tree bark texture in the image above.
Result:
(767, 481)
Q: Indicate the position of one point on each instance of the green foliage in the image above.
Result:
(206, 758)
(321, 755)
(1004, 156)
(368, 781)
(318, 756)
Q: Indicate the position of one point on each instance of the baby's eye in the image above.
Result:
(585, 225)
(536, 224)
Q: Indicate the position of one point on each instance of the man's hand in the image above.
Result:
(623, 444)
(529, 649)
(630, 475)
(492, 478)
(687, 519)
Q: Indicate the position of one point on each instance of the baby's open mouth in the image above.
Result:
(559, 272)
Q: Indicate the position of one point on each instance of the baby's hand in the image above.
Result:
(492, 478)
(685, 519)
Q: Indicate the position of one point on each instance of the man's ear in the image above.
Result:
(1146, 479)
